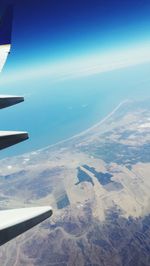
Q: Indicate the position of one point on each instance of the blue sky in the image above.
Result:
(50, 30)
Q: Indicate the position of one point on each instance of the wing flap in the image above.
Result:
(9, 138)
(8, 100)
(17, 221)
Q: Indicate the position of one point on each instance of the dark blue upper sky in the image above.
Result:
(54, 29)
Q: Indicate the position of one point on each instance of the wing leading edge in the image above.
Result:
(17, 221)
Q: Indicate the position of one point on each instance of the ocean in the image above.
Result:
(57, 110)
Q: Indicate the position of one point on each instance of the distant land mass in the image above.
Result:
(98, 184)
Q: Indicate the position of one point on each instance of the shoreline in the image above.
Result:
(36, 152)
(86, 130)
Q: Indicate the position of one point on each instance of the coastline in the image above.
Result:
(86, 130)
(36, 152)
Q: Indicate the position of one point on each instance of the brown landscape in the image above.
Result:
(98, 184)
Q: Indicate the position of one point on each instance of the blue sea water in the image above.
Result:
(54, 111)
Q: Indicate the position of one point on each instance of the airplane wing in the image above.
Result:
(9, 138)
(17, 221)
(5, 35)
(8, 100)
